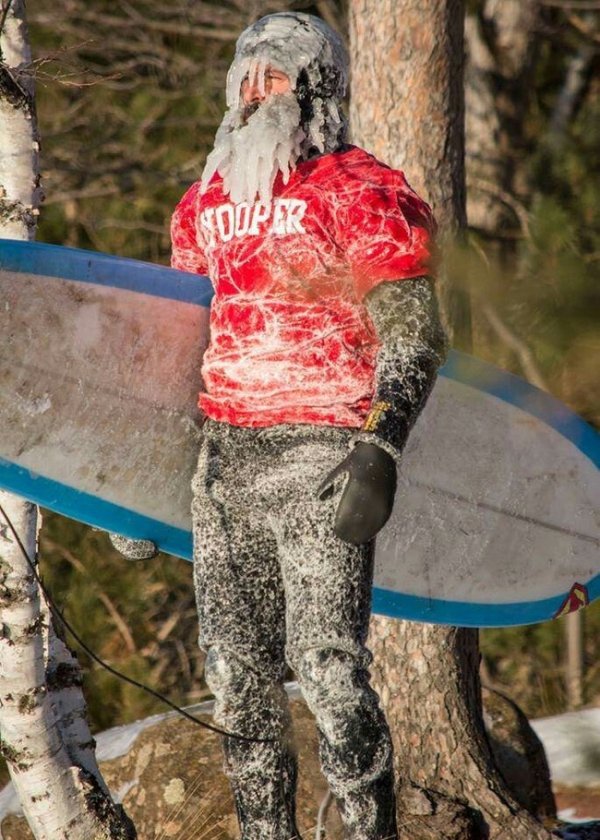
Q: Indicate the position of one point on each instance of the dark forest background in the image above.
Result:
(129, 97)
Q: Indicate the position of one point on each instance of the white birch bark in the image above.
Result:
(48, 783)
(44, 734)
(20, 194)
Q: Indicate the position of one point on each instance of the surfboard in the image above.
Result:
(496, 517)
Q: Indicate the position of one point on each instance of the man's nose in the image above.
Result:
(253, 92)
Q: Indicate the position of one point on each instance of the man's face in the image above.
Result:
(275, 82)
(259, 136)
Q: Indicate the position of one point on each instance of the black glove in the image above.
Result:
(368, 496)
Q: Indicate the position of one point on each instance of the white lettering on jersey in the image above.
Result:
(279, 216)
(296, 211)
(283, 216)
(226, 221)
(243, 213)
(260, 213)
(206, 219)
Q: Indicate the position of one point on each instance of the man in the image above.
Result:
(324, 346)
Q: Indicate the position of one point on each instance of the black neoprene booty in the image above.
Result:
(372, 804)
(263, 781)
(368, 496)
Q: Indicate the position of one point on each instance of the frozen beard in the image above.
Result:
(250, 150)
(286, 127)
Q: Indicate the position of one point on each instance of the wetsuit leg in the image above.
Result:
(240, 602)
(328, 592)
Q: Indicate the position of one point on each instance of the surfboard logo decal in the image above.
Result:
(576, 599)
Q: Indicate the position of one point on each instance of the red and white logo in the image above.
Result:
(576, 599)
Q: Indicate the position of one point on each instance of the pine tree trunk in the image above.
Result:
(45, 738)
(407, 107)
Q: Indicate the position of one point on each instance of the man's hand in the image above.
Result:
(368, 496)
(133, 549)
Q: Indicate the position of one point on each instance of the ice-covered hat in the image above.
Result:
(314, 58)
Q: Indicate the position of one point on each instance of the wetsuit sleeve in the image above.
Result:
(413, 346)
(187, 254)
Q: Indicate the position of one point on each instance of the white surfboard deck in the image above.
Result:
(496, 520)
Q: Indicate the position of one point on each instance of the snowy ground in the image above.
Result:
(571, 741)
(572, 744)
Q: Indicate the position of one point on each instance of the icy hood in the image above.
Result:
(292, 42)
(249, 153)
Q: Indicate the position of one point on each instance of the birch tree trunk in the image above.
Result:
(44, 735)
(407, 107)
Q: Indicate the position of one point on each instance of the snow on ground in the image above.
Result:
(572, 744)
(571, 741)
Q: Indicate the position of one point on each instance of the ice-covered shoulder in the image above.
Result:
(361, 163)
(353, 168)
(368, 179)
(186, 253)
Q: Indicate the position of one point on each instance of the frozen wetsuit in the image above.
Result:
(324, 330)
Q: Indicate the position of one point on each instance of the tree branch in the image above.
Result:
(512, 340)
(506, 198)
(584, 27)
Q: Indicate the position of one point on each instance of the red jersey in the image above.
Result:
(291, 340)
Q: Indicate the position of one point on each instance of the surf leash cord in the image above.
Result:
(57, 614)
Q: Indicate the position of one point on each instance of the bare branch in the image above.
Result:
(524, 353)
(119, 621)
(517, 345)
(584, 27)
(506, 198)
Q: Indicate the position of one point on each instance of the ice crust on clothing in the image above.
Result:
(290, 42)
(291, 339)
(250, 152)
(413, 346)
(275, 585)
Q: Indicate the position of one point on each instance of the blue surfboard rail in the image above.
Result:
(147, 278)
(89, 509)
(105, 270)
(516, 391)
(469, 614)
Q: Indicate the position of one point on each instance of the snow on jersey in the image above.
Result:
(291, 340)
